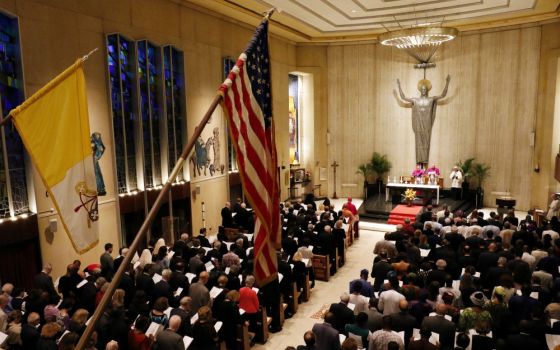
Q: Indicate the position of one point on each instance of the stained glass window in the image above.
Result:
(13, 184)
(174, 95)
(149, 83)
(122, 82)
(228, 64)
(293, 118)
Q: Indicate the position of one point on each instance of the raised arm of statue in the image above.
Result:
(401, 93)
(444, 92)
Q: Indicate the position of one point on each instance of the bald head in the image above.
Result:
(403, 305)
(185, 303)
(203, 277)
(174, 322)
(33, 319)
(440, 309)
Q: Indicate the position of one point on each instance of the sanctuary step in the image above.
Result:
(402, 212)
(376, 209)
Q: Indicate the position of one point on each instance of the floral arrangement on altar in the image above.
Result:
(409, 195)
(433, 170)
(418, 172)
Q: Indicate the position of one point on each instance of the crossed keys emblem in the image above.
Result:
(88, 200)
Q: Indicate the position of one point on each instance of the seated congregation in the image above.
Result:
(452, 281)
(198, 293)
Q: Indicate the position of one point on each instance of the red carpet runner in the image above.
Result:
(401, 212)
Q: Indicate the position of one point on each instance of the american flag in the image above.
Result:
(248, 103)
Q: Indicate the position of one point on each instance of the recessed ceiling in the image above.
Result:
(328, 20)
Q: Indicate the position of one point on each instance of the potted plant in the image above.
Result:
(380, 165)
(466, 170)
(481, 171)
(365, 171)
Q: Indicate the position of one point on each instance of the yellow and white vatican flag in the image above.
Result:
(54, 127)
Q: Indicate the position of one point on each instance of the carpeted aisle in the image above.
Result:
(401, 212)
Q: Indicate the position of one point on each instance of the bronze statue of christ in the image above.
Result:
(423, 116)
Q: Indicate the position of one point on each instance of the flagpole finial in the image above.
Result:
(89, 54)
(269, 13)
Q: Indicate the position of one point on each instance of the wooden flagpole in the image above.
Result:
(140, 236)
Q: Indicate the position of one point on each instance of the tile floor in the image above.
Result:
(359, 256)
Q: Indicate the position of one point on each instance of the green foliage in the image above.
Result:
(481, 171)
(364, 170)
(466, 168)
(380, 164)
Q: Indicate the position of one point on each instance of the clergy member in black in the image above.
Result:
(227, 219)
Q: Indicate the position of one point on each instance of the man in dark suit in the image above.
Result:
(523, 340)
(145, 282)
(379, 270)
(43, 281)
(242, 217)
(202, 238)
(403, 321)
(178, 278)
(427, 215)
(29, 332)
(487, 259)
(119, 259)
(342, 314)
(438, 324)
(309, 339)
(184, 311)
(521, 306)
(107, 263)
(181, 246)
(492, 276)
(326, 336)
(163, 289)
(169, 339)
(86, 296)
(325, 246)
(227, 219)
(439, 274)
(127, 284)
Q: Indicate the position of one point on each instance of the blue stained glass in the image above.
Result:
(12, 95)
(149, 63)
(122, 92)
(174, 102)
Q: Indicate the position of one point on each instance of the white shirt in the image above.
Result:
(554, 207)
(361, 303)
(456, 178)
(389, 301)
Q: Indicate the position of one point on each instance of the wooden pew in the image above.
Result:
(322, 267)
(340, 258)
(243, 341)
(336, 260)
(263, 321)
(306, 289)
(283, 306)
(231, 234)
(294, 295)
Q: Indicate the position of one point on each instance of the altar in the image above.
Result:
(413, 186)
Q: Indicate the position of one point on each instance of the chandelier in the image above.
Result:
(421, 43)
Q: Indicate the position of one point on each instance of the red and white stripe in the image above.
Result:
(256, 157)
